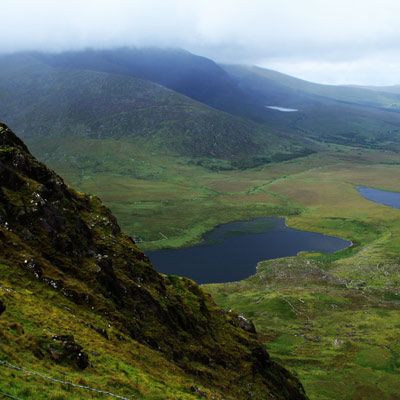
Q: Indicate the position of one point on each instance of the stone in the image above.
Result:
(71, 351)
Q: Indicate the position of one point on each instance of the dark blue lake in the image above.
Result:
(230, 252)
(391, 199)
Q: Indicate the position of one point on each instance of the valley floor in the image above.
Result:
(333, 319)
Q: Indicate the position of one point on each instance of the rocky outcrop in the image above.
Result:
(61, 349)
(70, 351)
(2, 307)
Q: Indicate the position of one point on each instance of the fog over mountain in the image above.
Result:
(324, 41)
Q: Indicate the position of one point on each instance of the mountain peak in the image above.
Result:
(9, 139)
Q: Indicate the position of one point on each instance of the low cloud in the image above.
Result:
(327, 41)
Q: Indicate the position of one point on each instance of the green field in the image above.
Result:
(169, 202)
(333, 319)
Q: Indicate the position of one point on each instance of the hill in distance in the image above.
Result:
(197, 77)
(343, 115)
(58, 102)
(353, 116)
(80, 302)
(380, 97)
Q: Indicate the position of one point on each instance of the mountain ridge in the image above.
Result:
(239, 96)
(40, 100)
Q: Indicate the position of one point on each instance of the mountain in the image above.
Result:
(335, 114)
(169, 100)
(194, 76)
(82, 308)
(343, 93)
(237, 90)
(51, 101)
(394, 89)
(344, 115)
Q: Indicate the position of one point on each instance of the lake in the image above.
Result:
(282, 109)
(391, 199)
(230, 252)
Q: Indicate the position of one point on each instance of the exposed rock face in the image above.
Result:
(247, 325)
(2, 307)
(71, 351)
(61, 349)
(72, 243)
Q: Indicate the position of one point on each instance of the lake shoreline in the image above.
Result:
(386, 198)
(231, 252)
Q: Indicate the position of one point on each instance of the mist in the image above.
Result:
(324, 41)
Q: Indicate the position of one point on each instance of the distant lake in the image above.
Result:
(282, 109)
(391, 199)
(230, 252)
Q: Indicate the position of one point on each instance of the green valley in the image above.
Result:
(173, 158)
(327, 318)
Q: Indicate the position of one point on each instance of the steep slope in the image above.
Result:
(194, 76)
(77, 294)
(40, 100)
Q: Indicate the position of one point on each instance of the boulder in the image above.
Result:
(70, 351)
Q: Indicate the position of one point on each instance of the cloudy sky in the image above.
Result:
(340, 41)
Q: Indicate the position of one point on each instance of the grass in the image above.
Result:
(168, 203)
(136, 370)
(342, 342)
(161, 202)
(331, 319)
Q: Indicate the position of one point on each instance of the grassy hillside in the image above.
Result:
(379, 97)
(395, 89)
(112, 94)
(39, 100)
(234, 89)
(82, 305)
(333, 114)
(194, 76)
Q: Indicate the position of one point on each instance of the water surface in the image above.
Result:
(282, 109)
(391, 199)
(230, 252)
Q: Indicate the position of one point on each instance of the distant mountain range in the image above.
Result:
(53, 101)
(171, 101)
(337, 114)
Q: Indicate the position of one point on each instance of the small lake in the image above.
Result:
(230, 252)
(282, 109)
(391, 199)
